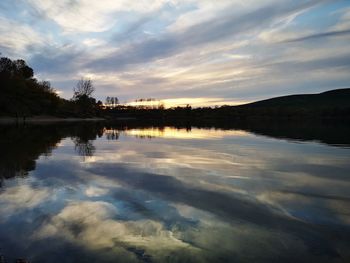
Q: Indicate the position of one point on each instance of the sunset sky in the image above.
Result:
(202, 52)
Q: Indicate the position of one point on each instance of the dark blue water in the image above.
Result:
(171, 195)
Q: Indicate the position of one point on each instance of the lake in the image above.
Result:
(123, 193)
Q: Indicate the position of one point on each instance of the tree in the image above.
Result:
(99, 104)
(86, 104)
(116, 101)
(23, 69)
(46, 86)
(15, 69)
(7, 67)
(112, 102)
(108, 101)
(84, 88)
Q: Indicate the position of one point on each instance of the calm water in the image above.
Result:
(89, 193)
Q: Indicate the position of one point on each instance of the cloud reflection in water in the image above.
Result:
(183, 196)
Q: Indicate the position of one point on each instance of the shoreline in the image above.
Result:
(12, 120)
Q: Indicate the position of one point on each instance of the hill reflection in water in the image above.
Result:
(124, 193)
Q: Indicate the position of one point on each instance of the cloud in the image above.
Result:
(88, 15)
(146, 200)
(93, 225)
(57, 60)
(165, 49)
(216, 29)
(17, 38)
(93, 191)
(18, 198)
(320, 35)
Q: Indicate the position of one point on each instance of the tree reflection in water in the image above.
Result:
(127, 206)
(21, 146)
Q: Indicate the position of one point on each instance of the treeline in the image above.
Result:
(334, 104)
(23, 96)
(230, 114)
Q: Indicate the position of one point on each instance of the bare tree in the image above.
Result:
(116, 101)
(84, 88)
(108, 101)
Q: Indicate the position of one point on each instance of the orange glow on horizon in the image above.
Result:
(173, 133)
(194, 102)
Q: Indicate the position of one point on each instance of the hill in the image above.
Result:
(334, 104)
(339, 98)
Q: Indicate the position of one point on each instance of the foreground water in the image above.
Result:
(101, 194)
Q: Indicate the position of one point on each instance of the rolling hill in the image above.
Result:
(339, 98)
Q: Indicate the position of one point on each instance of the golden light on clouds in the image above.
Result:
(201, 102)
(194, 102)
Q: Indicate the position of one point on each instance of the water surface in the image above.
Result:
(97, 193)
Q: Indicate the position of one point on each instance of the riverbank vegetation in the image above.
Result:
(23, 96)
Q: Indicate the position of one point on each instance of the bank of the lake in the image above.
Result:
(46, 119)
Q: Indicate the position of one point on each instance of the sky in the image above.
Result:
(201, 52)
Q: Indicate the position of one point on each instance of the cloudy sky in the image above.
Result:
(196, 51)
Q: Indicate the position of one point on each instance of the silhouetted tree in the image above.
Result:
(46, 86)
(22, 94)
(7, 68)
(112, 102)
(23, 69)
(86, 105)
(84, 87)
(108, 101)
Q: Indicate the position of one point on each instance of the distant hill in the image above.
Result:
(339, 98)
(330, 105)
(334, 104)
